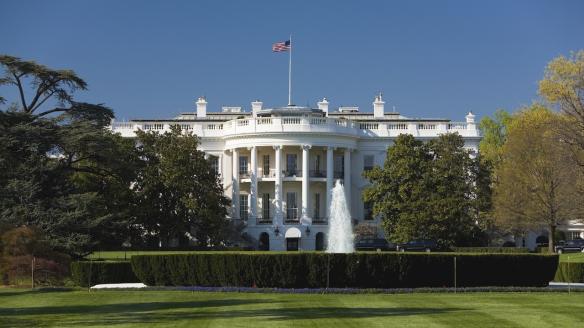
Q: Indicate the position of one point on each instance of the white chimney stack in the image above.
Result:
(378, 106)
(201, 107)
(256, 106)
(324, 106)
(470, 121)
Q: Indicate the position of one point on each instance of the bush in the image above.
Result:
(570, 272)
(102, 273)
(505, 250)
(358, 270)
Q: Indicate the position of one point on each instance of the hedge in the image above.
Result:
(570, 272)
(102, 273)
(358, 270)
(505, 250)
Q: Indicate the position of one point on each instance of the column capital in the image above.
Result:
(306, 147)
(331, 148)
(251, 147)
(276, 147)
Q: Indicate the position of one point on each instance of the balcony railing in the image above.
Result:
(317, 174)
(244, 175)
(319, 220)
(317, 125)
(292, 173)
(271, 173)
(263, 220)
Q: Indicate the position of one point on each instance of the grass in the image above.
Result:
(25, 308)
(572, 257)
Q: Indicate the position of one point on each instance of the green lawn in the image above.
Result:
(22, 308)
(572, 257)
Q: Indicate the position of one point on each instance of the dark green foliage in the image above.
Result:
(102, 273)
(570, 272)
(432, 190)
(61, 170)
(359, 270)
(177, 191)
(505, 250)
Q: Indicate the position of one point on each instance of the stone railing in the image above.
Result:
(317, 125)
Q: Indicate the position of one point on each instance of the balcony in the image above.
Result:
(319, 220)
(317, 174)
(263, 220)
(292, 173)
(271, 173)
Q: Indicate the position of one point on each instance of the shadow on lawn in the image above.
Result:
(141, 312)
(126, 308)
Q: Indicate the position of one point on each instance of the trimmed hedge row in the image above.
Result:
(504, 250)
(570, 272)
(102, 273)
(358, 270)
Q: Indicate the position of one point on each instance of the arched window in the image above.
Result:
(264, 242)
(319, 241)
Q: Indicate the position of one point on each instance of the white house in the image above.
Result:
(278, 164)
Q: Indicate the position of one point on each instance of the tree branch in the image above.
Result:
(21, 91)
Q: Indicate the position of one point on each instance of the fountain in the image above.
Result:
(340, 235)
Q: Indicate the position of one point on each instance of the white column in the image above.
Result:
(254, 184)
(235, 184)
(347, 177)
(329, 179)
(305, 183)
(278, 219)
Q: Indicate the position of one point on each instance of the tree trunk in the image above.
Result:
(551, 242)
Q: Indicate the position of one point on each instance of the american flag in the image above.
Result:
(281, 46)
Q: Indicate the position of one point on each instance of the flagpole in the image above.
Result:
(290, 74)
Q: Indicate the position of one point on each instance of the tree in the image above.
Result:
(494, 132)
(563, 87)
(537, 185)
(60, 169)
(426, 190)
(178, 192)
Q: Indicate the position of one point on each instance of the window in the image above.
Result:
(339, 167)
(367, 211)
(291, 164)
(243, 207)
(214, 160)
(291, 207)
(317, 163)
(368, 161)
(316, 205)
(266, 166)
(266, 206)
(242, 164)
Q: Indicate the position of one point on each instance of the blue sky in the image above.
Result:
(152, 59)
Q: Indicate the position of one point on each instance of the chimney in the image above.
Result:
(201, 107)
(470, 121)
(255, 107)
(324, 106)
(378, 106)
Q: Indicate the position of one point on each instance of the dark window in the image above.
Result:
(266, 165)
(319, 241)
(368, 162)
(266, 206)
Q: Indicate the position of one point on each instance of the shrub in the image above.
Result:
(505, 250)
(358, 270)
(102, 273)
(570, 272)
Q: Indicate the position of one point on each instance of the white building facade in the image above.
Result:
(278, 165)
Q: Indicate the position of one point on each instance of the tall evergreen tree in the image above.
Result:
(61, 170)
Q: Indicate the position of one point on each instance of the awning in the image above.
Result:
(293, 233)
